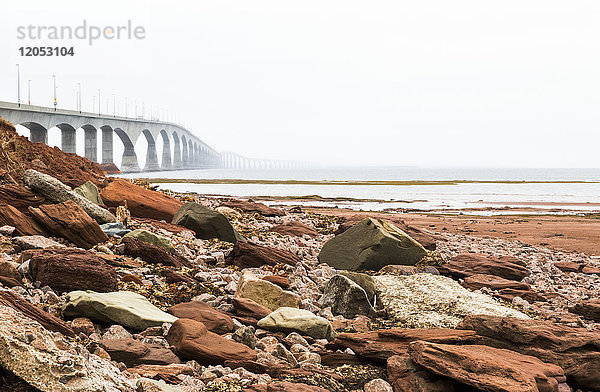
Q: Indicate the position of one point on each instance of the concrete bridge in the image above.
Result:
(231, 160)
(188, 152)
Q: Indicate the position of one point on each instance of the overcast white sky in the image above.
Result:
(428, 83)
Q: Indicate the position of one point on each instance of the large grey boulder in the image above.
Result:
(122, 307)
(90, 192)
(151, 238)
(370, 245)
(298, 320)
(346, 298)
(206, 223)
(54, 190)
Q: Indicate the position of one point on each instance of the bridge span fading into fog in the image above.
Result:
(181, 149)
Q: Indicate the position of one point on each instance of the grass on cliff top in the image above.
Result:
(343, 182)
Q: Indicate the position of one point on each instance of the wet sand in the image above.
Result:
(565, 233)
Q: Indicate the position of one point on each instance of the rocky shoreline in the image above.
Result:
(114, 286)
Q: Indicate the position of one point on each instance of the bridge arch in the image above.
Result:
(166, 162)
(151, 156)
(129, 161)
(37, 132)
(67, 137)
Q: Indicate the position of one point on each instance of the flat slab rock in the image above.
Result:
(467, 264)
(303, 321)
(49, 362)
(122, 307)
(576, 350)
(489, 369)
(433, 301)
(253, 207)
(141, 202)
(383, 344)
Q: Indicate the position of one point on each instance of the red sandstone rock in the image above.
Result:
(19, 154)
(382, 344)
(477, 281)
(70, 221)
(192, 340)
(252, 207)
(134, 352)
(67, 269)
(528, 295)
(141, 202)
(173, 277)
(280, 281)
(590, 309)
(9, 276)
(48, 321)
(284, 387)
(295, 228)
(406, 376)
(247, 308)
(19, 197)
(487, 368)
(249, 255)
(467, 264)
(170, 373)
(576, 350)
(152, 253)
(10, 216)
(213, 319)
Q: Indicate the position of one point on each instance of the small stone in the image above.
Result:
(377, 385)
(245, 335)
(7, 231)
(116, 332)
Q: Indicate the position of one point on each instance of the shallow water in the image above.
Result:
(445, 197)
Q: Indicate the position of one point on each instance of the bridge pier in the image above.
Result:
(177, 157)
(107, 146)
(67, 140)
(152, 159)
(90, 143)
(129, 162)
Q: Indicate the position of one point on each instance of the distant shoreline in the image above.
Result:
(352, 182)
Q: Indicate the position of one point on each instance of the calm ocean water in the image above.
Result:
(566, 197)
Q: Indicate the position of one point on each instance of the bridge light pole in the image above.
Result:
(125, 107)
(99, 103)
(79, 96)
(29, 92)
(19, 85)
(54, 82)
(114, 106)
